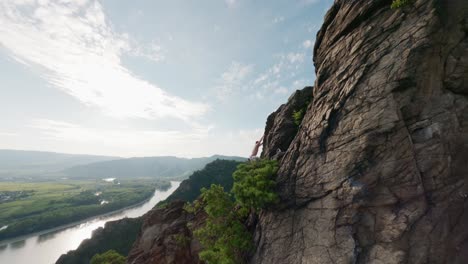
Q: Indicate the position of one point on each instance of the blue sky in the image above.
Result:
(150, 78)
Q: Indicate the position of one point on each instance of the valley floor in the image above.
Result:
(28, 207)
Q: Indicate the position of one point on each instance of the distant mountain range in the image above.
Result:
(154, 167)
(22, 163)
(16, 164)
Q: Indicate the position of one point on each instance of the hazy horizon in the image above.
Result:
(150, 78)
(121, 157)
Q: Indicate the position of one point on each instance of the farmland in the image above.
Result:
(27, 207)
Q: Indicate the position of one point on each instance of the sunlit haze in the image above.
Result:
(150, 78)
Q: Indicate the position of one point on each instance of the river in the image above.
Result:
(46, 247)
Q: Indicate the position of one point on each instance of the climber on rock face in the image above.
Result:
(258, 143)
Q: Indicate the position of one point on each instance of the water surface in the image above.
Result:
(46, 247)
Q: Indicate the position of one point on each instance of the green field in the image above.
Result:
(27, 207)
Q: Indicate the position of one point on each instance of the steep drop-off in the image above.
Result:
(377, 171)
(163, 226)
(117, 235)
(166, 238)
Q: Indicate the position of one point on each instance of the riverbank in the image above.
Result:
(61, 204)
(74, 224)
(47, 247)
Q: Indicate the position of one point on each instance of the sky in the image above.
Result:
(149, 77)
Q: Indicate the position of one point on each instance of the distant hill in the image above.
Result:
(217, 172)
(153, 167)
(23, 163)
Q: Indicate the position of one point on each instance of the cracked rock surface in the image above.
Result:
(377, 171)
(165, 237)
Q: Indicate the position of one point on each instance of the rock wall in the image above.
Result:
(377, 172)
(166, 238)
(280, 124)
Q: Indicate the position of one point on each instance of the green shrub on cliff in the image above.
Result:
(299, 113)
(400, 3)
(109, 257)
(254, 184)
(298, 116)
(224, 237)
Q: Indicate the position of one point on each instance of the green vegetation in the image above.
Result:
(109, 257)
(299, 113)
(216, 172)
(181, 240)
(43, 205)
(400, 3)
(298, 116)
(219, 172)
(224, 237)
(253, 184)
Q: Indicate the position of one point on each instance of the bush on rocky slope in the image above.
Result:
(253, 184)
(108, 257)
(224, 237)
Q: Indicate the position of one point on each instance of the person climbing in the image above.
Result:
(258, 143)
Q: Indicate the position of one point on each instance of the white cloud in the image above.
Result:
(261, 78)
(153, 51)
(281, 90)
(310, 2)
(203, 141)
(295, 57)
(73, 47)
(7, 134)
(231, 3)
(307, 44)
(312, 28)
(233, 79)
(298, 84)
(274, 80)
(65, 131)
(278, 19)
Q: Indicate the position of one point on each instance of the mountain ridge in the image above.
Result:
(26, 164)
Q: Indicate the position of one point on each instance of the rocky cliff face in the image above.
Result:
(166, 238)
(377, 171)
(280, 124)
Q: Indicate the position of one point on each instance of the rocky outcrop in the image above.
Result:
(117, 235)
(166, 238)
(280, 124)
(377, 171)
